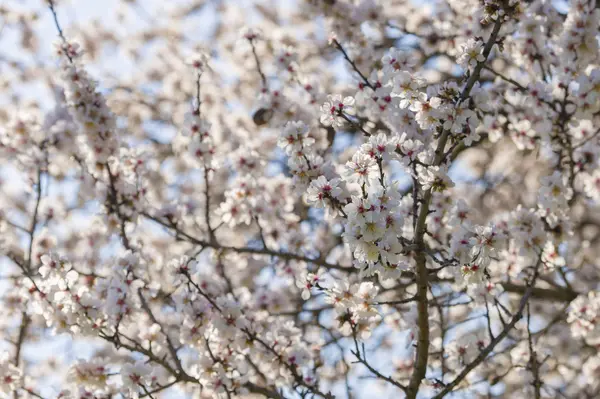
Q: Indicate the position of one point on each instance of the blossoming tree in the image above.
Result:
(317, 198)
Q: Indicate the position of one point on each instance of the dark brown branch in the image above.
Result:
(558, 294)
(421, 266)
(352, 64)
(246, 250)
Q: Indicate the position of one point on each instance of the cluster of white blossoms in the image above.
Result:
(471, 54)
(324, 199)
(87, 107)
(583, 318)
(10, 375)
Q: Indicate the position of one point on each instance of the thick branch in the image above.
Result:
(421, 266)
(559, 294)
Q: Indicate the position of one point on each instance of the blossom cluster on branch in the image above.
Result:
(325, 199)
